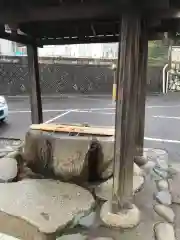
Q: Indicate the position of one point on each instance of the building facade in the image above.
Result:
(108, 50)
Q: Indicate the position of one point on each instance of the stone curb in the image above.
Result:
(61, 96)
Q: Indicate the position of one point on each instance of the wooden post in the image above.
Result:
(35, 97)
(141, 97)
(124, 147)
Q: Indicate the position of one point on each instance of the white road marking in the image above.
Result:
(67, 111)
(168, 106)
(60, 110)
(166, 117)
(58, 116)
(48, 110)
(161, 140)
(91, 111)
(83, 109)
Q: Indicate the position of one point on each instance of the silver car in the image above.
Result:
(3, 109)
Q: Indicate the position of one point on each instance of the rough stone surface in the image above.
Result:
(85, 158)
(164, 197)
(162, 185)
(164, 231)
(69, 163)
(175, 189)
(140, 160)
(8, 169)
(125, 219)
(45, 204)
(72, 237)
(88, 221)
(165, 212)
(104, 190)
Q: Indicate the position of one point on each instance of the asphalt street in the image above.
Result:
(162, 126)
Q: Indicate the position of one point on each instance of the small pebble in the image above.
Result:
(164, 197)
(8, 169)
(164, 231)
(88, 220)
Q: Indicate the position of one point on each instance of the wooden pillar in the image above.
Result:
(124, 147)
(141, 96)
(35, 96)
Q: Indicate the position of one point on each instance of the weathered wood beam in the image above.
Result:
(124, 148)
(90, 39)
(35, 93)
(77, 40)
(23, 39)
(141, 91)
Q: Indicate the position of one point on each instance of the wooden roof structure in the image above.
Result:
(51, 22)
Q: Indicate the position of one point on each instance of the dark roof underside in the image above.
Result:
(83, 21)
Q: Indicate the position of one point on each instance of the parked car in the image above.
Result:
(3, 109)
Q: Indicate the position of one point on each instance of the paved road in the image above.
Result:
(162, 128)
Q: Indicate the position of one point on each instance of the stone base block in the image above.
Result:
(123, 219)
(104, 190)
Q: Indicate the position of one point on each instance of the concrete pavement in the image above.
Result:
(162, 128)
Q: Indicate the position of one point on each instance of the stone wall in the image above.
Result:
(60, 75)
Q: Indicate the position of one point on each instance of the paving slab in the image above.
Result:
(31, 207)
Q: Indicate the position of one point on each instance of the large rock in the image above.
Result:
(69, 158)
(31, 209)
(8, 169)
